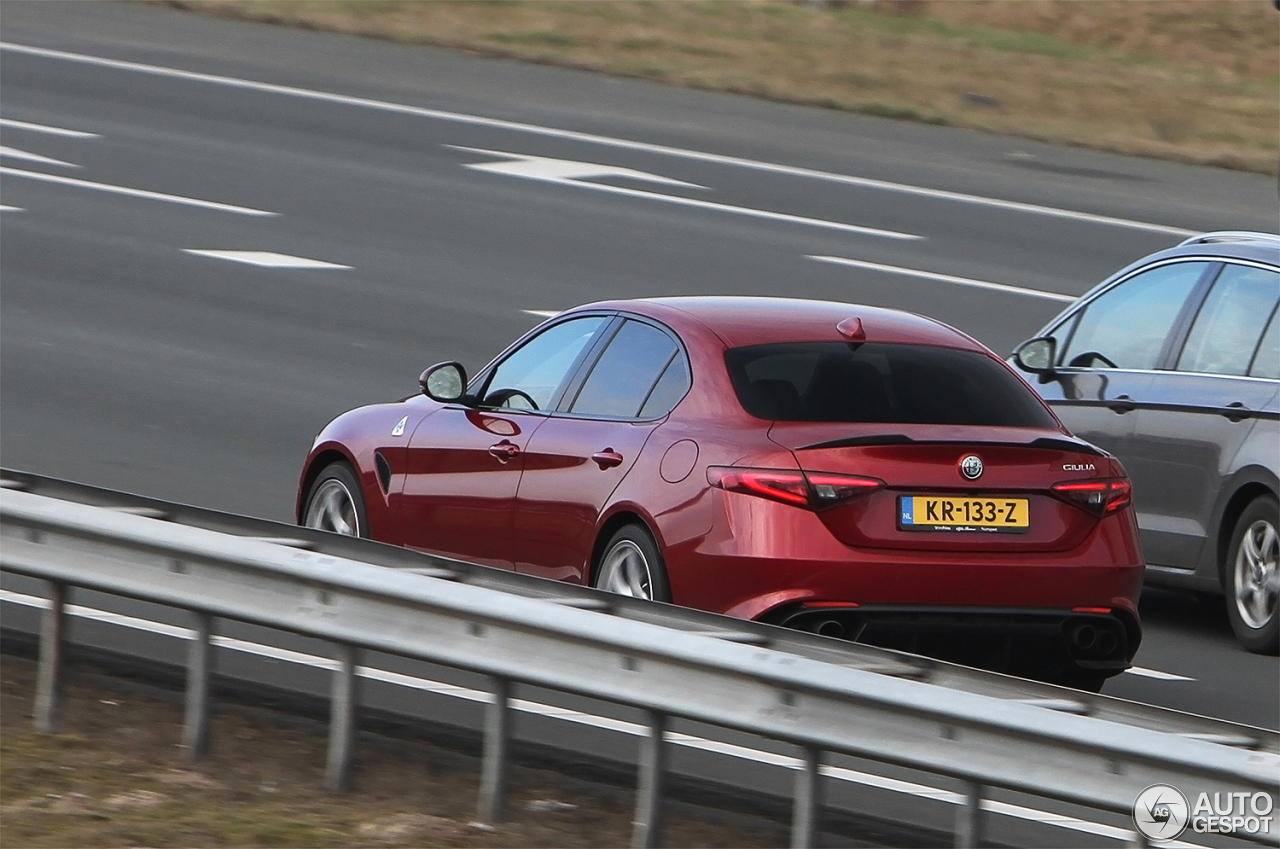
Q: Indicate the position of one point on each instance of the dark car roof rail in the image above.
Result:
(1231, 236)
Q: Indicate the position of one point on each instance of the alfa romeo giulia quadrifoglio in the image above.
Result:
(857, 472)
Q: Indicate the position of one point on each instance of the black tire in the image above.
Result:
(335, 503)
(631, 564)
(1250, 578)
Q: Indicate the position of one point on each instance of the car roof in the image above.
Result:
(740, 321)
(1228, 244)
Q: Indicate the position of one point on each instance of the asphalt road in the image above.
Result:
(141, 144)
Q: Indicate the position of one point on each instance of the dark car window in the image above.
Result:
(536, 370)
(626, 372)
(1266, 363)
(1226, 330)
(1128, 324)
(918, 384)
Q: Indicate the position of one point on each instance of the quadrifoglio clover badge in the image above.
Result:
(1161, 812)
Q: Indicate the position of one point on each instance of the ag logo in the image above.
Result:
(971, 467)
(1160, 812)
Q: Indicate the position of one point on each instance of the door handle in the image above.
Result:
(1122, 404)
(1235, 411)
(607, 459)
(505, 451)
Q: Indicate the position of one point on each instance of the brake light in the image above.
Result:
(1100, 496)
(814, 490)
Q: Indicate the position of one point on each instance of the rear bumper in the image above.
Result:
(1052, 645)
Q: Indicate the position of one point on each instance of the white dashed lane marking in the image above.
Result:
(542, 313)
(138, 193)
(41, 128)
(267, 259)
(943, 278)
(1156, 674)
(15, 153)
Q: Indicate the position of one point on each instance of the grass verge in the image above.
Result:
(1189, 80)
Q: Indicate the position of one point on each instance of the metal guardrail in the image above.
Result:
(799, 643)
(818, 707)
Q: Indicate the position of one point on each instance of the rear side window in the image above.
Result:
(1266, 363)
(1226, 331)
(624, 377)
(907, 384)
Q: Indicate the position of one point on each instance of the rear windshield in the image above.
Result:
(910, 384)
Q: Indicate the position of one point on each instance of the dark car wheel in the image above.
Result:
(1251, 579)
(335, 503)
(632, 565)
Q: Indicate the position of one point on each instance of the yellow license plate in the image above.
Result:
(942, 513)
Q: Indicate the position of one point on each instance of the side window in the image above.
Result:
(532, 375)
(1266, 363)
(1126, 327)
(624, 376)
(1226, 330)
(669, 390)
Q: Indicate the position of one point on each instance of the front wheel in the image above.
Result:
(336, 504)
(632, 565)
(1251, 580)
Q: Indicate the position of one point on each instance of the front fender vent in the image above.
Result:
(384, 471)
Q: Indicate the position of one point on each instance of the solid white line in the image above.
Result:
(945, 278)
(543, 313)
(623, 144)
(267, 259)
(910, 788)
(533, 174)
(41, 128)
(14, 153)
(1143, 672)
(138, 193)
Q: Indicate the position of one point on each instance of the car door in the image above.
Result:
(464, 462)
(1110, 349)
(1197, 414)
(578, 457)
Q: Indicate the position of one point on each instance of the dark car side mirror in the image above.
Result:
(1037, 356)
(444, 382)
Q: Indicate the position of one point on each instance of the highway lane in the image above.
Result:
(128, 361)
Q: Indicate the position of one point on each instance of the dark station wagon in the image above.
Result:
(1173, 365)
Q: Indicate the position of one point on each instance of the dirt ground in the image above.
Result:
(115, 775)
(1190, 80)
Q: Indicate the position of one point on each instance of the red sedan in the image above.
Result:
(853, 471)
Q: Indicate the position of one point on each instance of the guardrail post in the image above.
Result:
(196, 724)
(808, 800)
(494, 765)
(53, 632)
(969, 817)
(342, 720)
(647, 827)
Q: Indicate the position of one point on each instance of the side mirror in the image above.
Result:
(444, 382)
(1037, 356)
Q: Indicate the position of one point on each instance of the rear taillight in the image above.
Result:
(1100, 496)
(814, 490)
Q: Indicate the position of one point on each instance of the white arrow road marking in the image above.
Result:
(41, 128)
(14, 153)
(589, 138)
(1156, 674)
(543, 313)
(557, 170)
(944, 278)
(922, 791)
(553, 171)
(138, 193)
(267, 259)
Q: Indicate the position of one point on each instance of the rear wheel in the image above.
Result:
(1251, 580)
(335, 503)
(632, 565)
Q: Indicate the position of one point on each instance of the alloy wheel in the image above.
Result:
(1256, 577)
(625, 571)
(333, 509)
